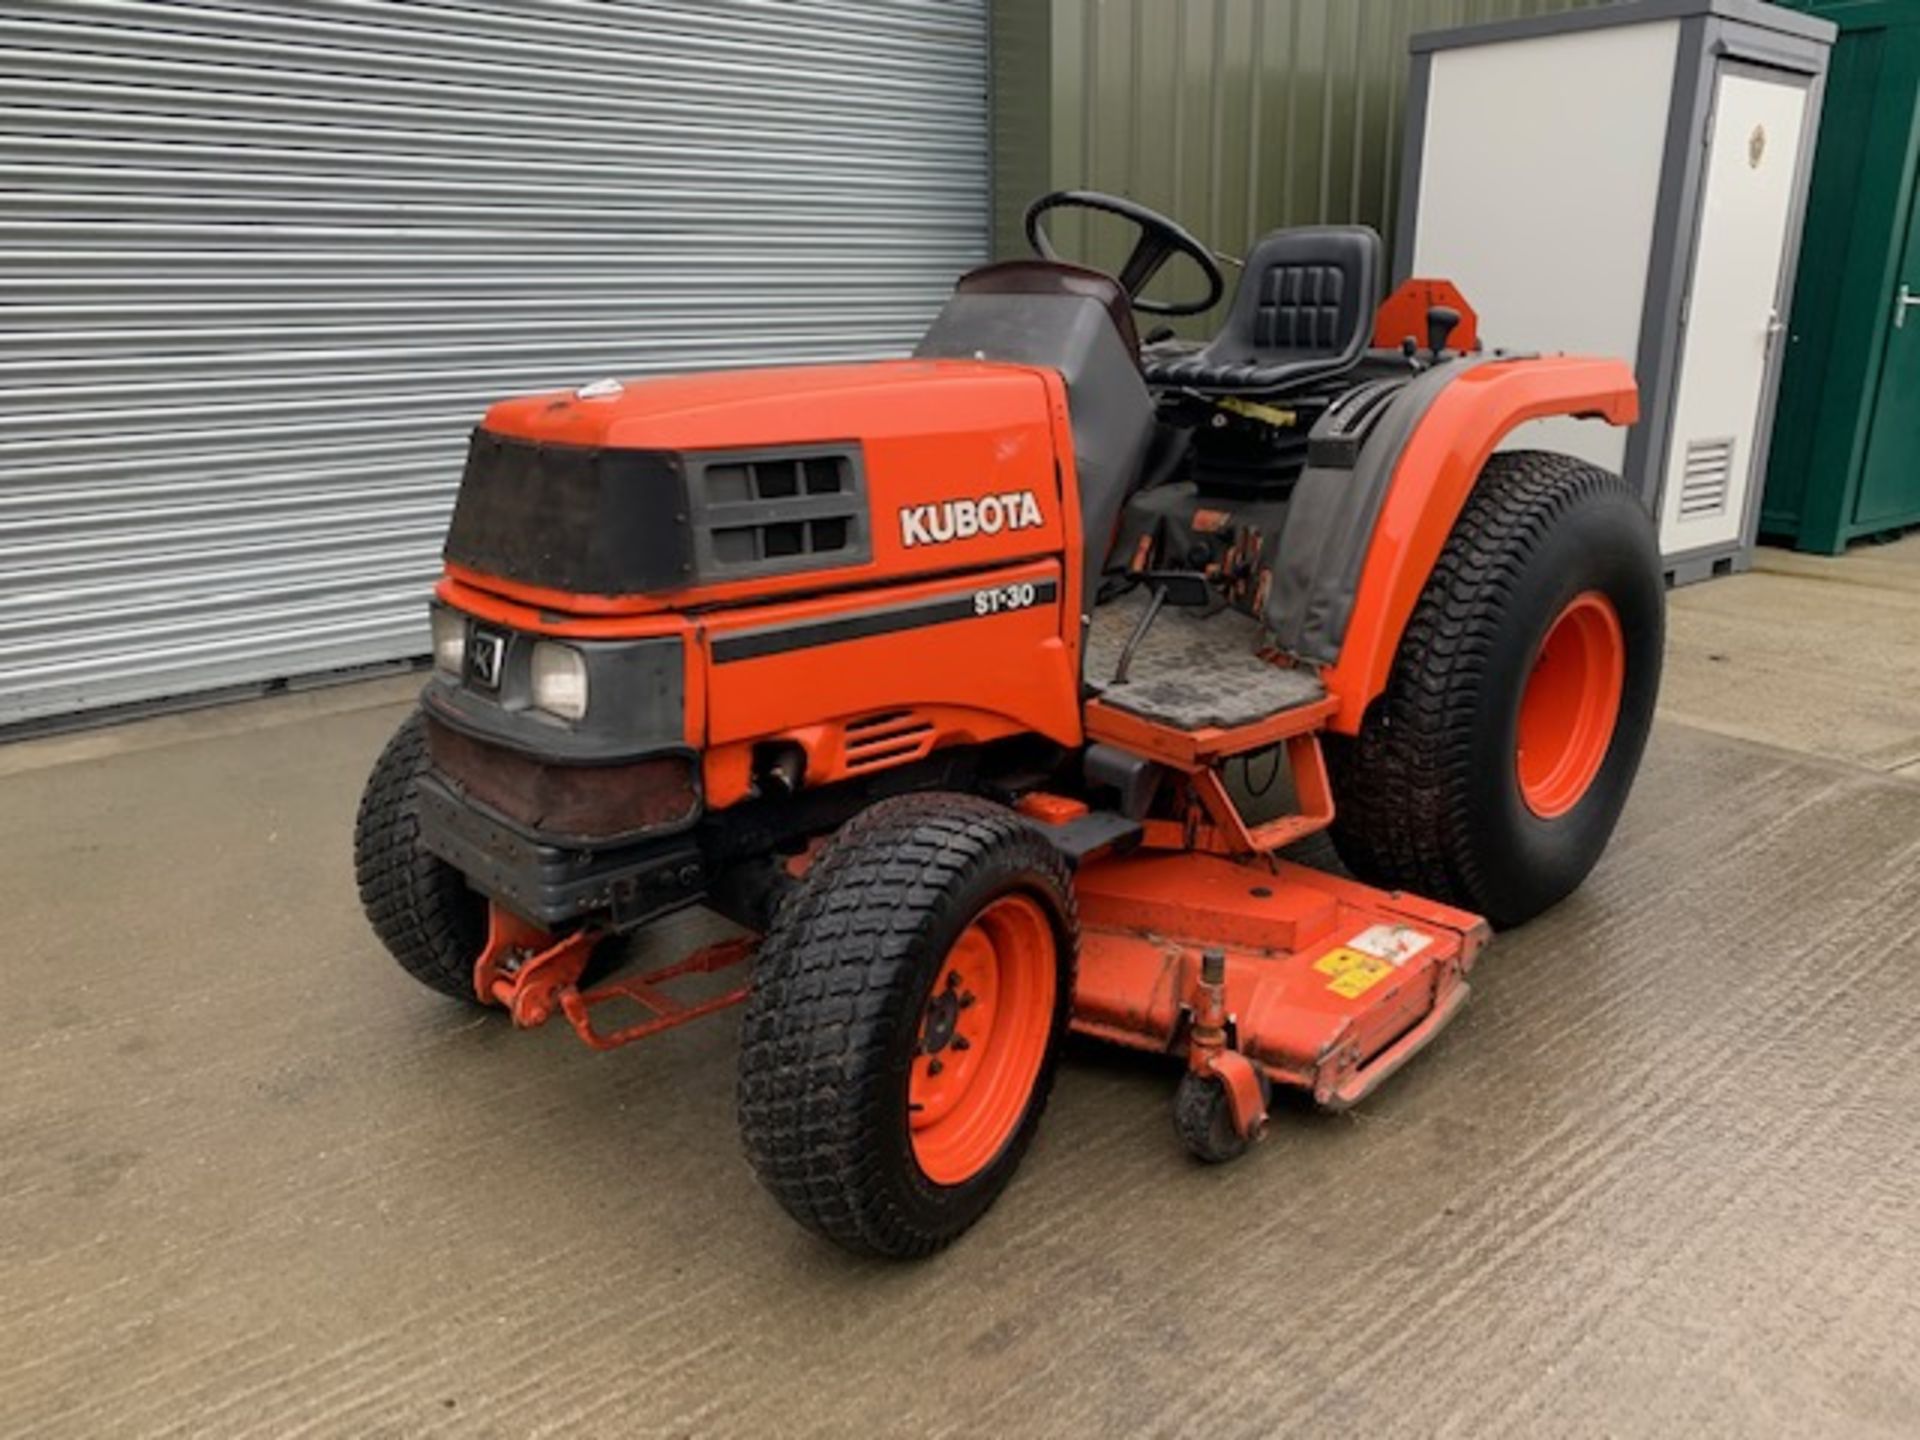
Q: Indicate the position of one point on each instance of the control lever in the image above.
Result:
(1442, 320)
(1186, 588)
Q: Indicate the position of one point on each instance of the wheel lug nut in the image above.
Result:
(966, 1001)
(960, 1042)
(934, 1067)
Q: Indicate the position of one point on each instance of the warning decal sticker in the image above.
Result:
(1395, 943)
(1353, 973)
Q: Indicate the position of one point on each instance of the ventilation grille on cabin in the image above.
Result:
(888, 738)
(1708, 482)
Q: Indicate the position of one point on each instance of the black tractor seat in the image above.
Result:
(1303, 312)
(1191, 670)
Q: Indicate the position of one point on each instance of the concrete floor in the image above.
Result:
(1658, 1180)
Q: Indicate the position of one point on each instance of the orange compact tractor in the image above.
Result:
(950, 680)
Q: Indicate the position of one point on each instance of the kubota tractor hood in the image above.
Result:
(733, 409)
(702, 488)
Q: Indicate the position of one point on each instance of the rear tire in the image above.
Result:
(1437, 794)
(419, 906)
(927, 921)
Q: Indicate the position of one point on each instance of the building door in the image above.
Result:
(1732, 309)
(1890, 481)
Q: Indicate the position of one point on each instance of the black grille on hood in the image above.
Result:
(573, 517)
(768, 512)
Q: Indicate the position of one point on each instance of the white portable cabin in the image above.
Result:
(1629, 180)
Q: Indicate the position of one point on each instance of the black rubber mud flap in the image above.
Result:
(1316, 570)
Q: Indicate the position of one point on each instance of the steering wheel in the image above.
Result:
(1160, 240)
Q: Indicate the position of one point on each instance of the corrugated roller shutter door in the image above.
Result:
(261, 267)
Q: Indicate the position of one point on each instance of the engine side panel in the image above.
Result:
(861, 680)
(880, 678)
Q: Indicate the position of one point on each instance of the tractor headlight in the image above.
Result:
(449, 640)
(559, 680)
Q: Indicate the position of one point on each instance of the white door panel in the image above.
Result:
(1753, 155)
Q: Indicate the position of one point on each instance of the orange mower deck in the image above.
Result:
(1325, 984)
(1254, 969)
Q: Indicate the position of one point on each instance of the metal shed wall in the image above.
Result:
(262, 266)
(1233, 116)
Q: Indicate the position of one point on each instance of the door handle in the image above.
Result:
(1906, 300)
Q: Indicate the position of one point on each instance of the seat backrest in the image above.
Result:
(1310, 291)
(1303, 311)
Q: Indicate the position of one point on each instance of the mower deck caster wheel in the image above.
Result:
(1204, 1120)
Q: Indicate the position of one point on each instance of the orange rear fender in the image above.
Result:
(1430, 485)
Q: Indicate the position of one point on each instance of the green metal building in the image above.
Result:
(1234, 116)
(1846, 442)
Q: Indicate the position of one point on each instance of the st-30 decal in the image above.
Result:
(1007, 597)
(972, 604)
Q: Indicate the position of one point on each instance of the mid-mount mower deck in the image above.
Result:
(932, 674)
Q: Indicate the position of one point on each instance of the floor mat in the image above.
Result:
(1192, 669)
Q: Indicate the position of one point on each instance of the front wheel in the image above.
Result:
(1492, 771)
(421, 907)
(908, 1007)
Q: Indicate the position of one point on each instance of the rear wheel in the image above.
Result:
(1492, 771)
(908, 1007)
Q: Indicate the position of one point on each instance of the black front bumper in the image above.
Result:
(552, 884)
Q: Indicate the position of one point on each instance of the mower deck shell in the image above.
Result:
(1323, 975)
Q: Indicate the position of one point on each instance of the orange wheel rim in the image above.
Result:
(1570, 705)
(982, 1036)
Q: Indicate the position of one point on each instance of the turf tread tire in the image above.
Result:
(422, 909)
(839, 985)
(1416, 809)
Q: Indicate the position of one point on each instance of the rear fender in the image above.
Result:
(1429, 487)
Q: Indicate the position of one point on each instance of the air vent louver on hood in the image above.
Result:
(772, 512)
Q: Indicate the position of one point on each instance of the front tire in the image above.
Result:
(1492, 771)
(908, 1007)
(432, 924)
